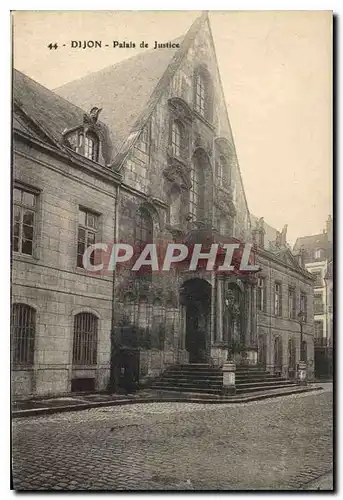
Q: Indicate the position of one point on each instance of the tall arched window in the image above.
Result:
(85, 339)
(23, 329)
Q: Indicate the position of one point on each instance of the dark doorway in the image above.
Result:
(262, 350)
(196, 296)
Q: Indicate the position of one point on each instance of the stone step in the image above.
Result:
(265, 384)
(263, 388)
(186, 388)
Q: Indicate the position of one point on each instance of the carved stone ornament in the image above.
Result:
(177, 172)
(180, 110)
(91, 118)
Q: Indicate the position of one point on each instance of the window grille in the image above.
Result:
(23, 329)
(85, 339)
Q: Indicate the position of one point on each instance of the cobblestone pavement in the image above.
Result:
(281, 443)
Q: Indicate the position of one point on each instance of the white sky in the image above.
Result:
(276, 74)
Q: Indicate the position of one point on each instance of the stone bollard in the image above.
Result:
(229, 387)
(302, 373)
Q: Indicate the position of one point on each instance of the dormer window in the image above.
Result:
(84, 143)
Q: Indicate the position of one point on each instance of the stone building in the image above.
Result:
(317, 251)
(138, 152)
(284, 290)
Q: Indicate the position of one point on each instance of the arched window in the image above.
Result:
(203, 99)
(85, 339)
(85, 143)
(23, 329)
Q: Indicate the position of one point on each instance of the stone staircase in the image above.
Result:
(206, 380)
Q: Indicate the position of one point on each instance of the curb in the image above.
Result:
(100, 404)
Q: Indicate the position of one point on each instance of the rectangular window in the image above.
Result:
(24, 220)
(303, 305)
(200, 95)
(261, 293)
(278, 299)
(318, 305)
(318, 276)
(291, 303)
(88, 225)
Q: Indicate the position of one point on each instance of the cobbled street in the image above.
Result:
(281, 443)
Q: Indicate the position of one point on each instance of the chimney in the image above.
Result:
(329, 228)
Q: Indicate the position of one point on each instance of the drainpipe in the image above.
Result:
(113, 375)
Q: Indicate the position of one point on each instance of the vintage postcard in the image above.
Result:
(172, 256)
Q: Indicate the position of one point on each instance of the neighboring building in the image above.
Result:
(317, 253)
(153, 160)
(284, 289)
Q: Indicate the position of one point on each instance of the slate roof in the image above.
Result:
(311, 243)
(47, 109)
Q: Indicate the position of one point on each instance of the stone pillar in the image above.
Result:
(213, 312)
(229, 383)
(251, 330)
(219, 335)
(247, 337)
(302, 373)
